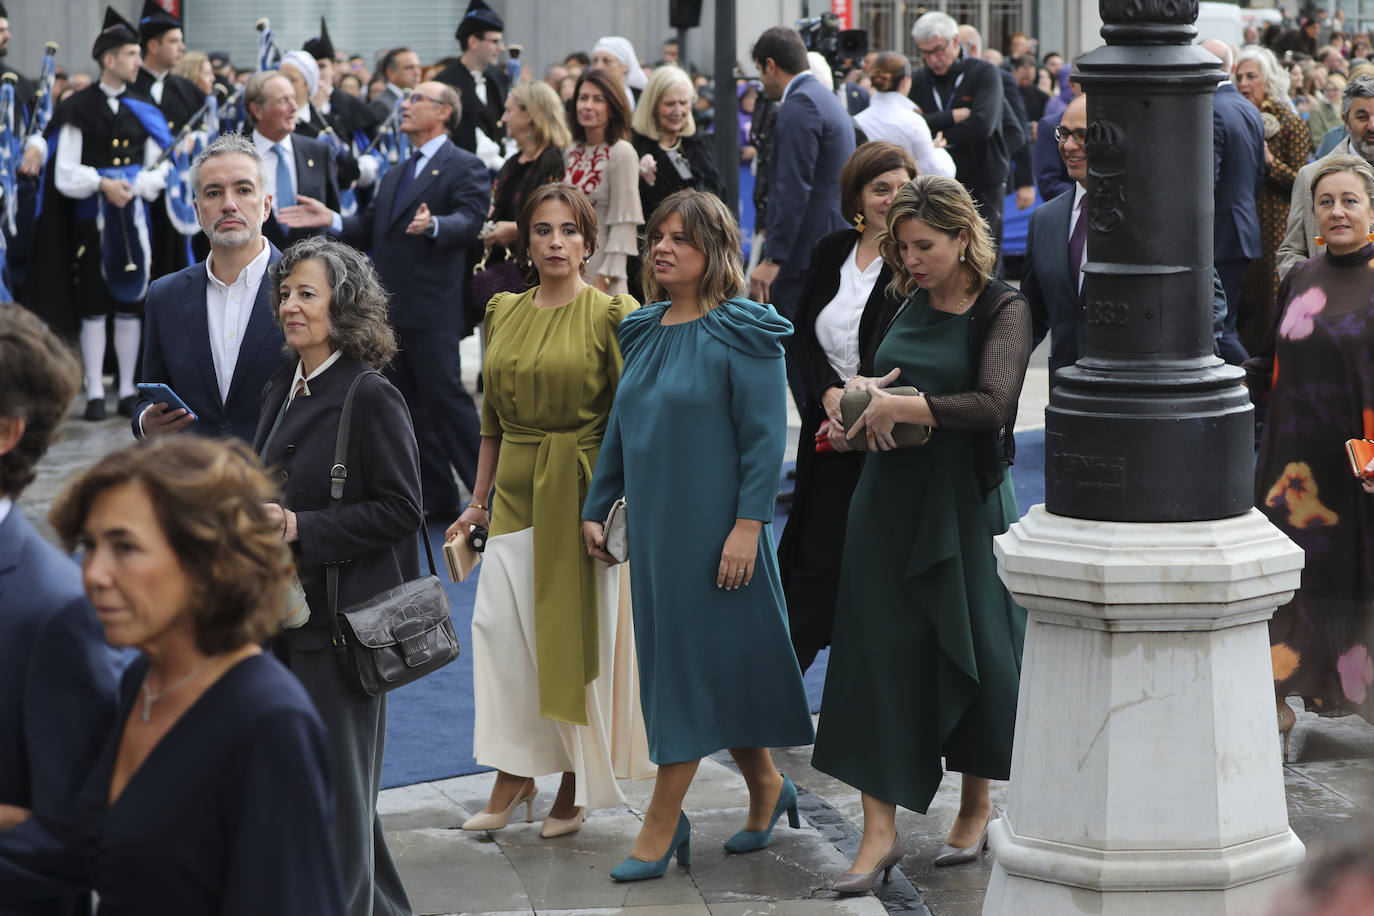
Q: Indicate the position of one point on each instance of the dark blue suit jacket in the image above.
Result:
(176, 352)
(1048, 284)
(1051, 176)
(1238, 168)
(424, 275)
(59, 681)
(813, 138)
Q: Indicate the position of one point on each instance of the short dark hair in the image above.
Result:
(580, 57)
(1022, 60)
(618, 127)
(389, 59)
(39, 376)
(584, 215)
(209, 497)
(357, 302)
(784, 46)
(866, 163)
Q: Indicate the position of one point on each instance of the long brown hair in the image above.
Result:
(618, 125)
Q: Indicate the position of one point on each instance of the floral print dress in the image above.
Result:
(1317, 368)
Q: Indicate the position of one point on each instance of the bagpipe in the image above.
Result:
(389, 146)
(15, 130)
(43, 100)
(190, 142)
(269, 55)
(339, 150)
(125, 250)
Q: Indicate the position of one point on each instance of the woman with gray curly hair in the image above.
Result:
(1287, 146)
(332, 309)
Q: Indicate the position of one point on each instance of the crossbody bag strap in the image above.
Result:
(338, 476)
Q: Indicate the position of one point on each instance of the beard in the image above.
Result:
(1364, 150)
(231, 238)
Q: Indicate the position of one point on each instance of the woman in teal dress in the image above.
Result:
(926, 655)
(695, 443)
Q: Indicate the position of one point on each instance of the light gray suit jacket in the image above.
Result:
(1298, 244)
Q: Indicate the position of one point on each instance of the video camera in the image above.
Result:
(842, 49)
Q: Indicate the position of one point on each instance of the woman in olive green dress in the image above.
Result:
(926, 655)
(554, 680)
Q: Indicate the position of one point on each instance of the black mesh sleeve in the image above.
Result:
(1001, 371)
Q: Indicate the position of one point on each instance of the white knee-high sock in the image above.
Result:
(128, 332)
(93, 356)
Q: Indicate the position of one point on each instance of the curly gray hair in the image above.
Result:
(358, 325)
(1276, 79)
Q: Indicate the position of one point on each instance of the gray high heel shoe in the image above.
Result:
(862, 882)
(951, 855)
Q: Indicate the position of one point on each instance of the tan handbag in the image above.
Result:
(906, 435)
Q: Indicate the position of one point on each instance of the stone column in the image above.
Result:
(1146, 777)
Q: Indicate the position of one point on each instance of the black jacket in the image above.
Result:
(373, 532)
(701, 159)
(181, 98)
(976, 143)
(476, 115)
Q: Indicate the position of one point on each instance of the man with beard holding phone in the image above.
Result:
(208, 332)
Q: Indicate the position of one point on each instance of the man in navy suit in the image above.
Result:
(297, 166)
(208, 330)
(425, 214)
(1056, 250)
(811, 141)
(58, 678)
(1238, 168)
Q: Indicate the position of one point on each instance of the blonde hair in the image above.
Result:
(547, 117)
(645, 118)
(710, 228)
(943, 205)
(189, 65)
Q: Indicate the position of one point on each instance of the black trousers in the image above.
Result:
(427, 372)
(785, 296)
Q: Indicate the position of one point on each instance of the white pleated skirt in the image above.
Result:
(508, 732)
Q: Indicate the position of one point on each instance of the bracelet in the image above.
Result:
(476, 505)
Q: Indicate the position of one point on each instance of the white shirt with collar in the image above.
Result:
(427, 153)
(159, 84)
(264, 147)
(788, 91)
(837, 325)
(229, 308)
(6, 504)
(300, 382)
(79, 181)
(1076, 213)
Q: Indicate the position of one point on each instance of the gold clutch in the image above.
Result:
(906, 435)
(460, 558)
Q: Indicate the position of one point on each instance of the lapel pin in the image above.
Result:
(310, 163)
(434, 171)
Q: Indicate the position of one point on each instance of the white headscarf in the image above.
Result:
(625, 53)
(305, 63)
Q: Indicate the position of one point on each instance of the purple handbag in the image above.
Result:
(502, 277)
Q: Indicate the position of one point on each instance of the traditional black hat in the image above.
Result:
(478, 19)
(154, 21)
(320, 48)
(116, 33)
(4, 13)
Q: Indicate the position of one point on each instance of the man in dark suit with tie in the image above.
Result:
(58, 678)
(400, 68)
(1238, 159)
(425, 214)
(813, 137)
(1056, 250)
(208, 330)
(296, 166)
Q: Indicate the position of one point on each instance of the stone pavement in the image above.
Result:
(514, 871)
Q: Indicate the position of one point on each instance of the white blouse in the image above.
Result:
(837, 325)
(892, 116)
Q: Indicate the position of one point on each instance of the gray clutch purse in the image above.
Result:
(907, 435)
(616, 532)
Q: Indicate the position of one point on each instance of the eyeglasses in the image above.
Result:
(1080, 136)
(928, 53)
(415, 96)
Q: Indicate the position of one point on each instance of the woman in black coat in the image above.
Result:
(844, 311)
(332, 309)
(673, 156)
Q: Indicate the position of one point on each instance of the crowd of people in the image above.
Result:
(349, 234)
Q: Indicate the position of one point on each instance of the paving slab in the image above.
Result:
(444, 870)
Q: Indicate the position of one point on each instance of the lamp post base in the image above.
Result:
(1145, 776)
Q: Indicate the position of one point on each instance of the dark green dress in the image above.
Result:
(926, 655)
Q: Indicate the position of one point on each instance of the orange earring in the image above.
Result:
(1319, 240)
(1371, 235)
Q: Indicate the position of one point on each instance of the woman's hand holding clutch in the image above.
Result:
(737, 557)
(595, 539)
(880, 416)
(472, 516)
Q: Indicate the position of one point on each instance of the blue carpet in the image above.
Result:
(429, 722)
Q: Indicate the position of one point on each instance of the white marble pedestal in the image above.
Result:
(1146, 777)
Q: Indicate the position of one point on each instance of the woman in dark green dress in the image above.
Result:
(926, 653)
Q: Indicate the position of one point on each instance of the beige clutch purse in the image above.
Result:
(907, 435)
(460, 558)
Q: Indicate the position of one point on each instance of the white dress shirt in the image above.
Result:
(228, 308)
(300, 382)
(159, 81)
(79, 181)
(892, 117)
(837, 325)
(265, 150)
(1079, 193)
(5, 505)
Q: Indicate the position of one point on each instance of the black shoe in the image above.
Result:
(95, 409)
(126, 406)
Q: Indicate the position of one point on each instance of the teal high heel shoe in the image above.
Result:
(633, 869)
(754, 840)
